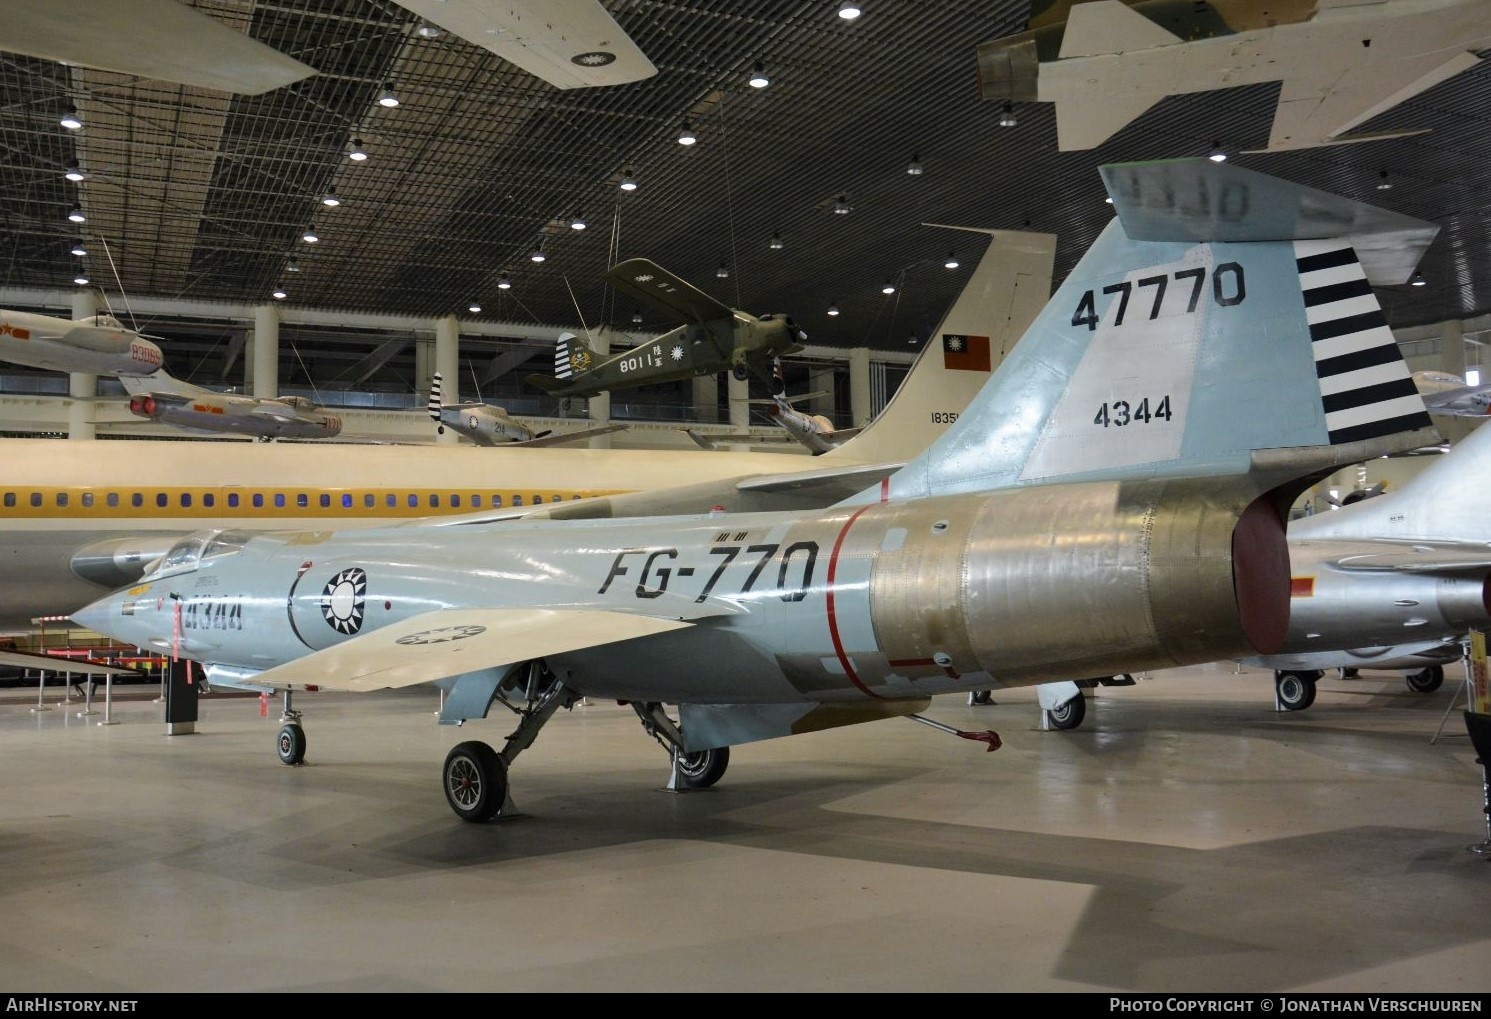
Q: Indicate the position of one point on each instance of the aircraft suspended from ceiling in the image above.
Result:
(1103, 63)
(567, 43)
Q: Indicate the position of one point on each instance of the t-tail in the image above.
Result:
(573, 358)
(1223, 324)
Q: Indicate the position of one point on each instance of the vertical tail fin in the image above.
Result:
(572, 357)
(436, 399)
(1223, 313)
(1007, 289)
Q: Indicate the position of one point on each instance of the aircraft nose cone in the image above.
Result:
(95, 616)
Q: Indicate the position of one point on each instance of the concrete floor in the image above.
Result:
(1187, 837)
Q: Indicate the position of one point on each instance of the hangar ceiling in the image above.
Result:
(204, 196)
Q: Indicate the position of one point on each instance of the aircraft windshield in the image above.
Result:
(188, 553)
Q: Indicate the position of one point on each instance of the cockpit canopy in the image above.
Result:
(191, 551)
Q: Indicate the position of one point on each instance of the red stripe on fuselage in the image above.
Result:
(833, 622)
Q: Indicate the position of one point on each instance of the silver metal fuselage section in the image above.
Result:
(873, 602)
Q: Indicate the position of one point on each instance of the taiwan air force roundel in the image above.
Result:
(342, 599)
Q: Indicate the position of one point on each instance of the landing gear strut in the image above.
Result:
(698, 769)
(289, 743)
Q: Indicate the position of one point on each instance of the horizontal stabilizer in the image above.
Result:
(1416, 556)
(1202, 201)
(830, 480)
(644, 280)
(448, 642)
(1100, 27)
(547, 383)
(560, 438)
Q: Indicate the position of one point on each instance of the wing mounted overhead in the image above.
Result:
(644, 280)
(164, 40)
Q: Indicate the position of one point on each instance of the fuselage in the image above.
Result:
(97, 345)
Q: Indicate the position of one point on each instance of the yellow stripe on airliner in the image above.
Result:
(113, 502)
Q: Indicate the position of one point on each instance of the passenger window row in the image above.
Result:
(208, 500)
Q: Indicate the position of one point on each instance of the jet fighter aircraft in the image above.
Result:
(96, 345)
(715, 339)
(1340, 63)
(161, 397)
(1102, 484)
(1448, 394)
(489, 425)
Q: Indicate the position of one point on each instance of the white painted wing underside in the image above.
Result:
(448, 642)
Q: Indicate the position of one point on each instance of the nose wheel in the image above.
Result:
(290, 743)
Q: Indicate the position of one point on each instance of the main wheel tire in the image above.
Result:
(741, 371)
(1349, 673)
(475, 781)
(290, 743)
(1296, 691)
(1069, 714)
(704, 768)
(1425, 680)
(981, 697)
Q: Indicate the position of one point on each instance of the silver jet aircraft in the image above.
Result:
(487, 424)
(1112, 500)
(96, 345)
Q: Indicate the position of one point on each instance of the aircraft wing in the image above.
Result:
(1401, 557)
(1317, 107)
(559, 439)
(568, 43)
(448, 642)
(644, 280)
(51, 663)
(163, 40)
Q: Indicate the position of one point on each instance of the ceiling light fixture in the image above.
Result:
(636, 318)
(915, 166)
(687, 136)
(292, 266)
(841, 205)
(79, 250)
(474, 308)
(425, 30)
(70, 118)
(76, 214)
(388, 99)
(578, 223)
(723, 271)
(80, 280)
(776, 242)
(330, 199)
(1217, 153)
(1418, 279)
(628, 182)
(849, 11)
(537, 254)
(952, 261)
(355, 151)
(1383, 184)
(279, 293)
(73, 172)
(504, 283)
(1007, 116)
(833, 309)
(888, 287)
(912, 339)
(310, 236)
(758, 77)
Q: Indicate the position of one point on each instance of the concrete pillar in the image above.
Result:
(248, 362)
(424, 367)
(706, 398)
(82, 386)
(448, 364)
(598, 407)
(266, 351)
(821, 381)
(1452, 348)
(860, 407)
(740, 407)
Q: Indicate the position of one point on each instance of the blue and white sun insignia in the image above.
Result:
(676, 353)
(342, 600)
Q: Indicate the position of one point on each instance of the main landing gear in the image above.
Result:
(289, 743)
(1425, 680)
(1294, 690)
(475, 776)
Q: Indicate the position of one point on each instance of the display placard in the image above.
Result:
(1480, 698)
